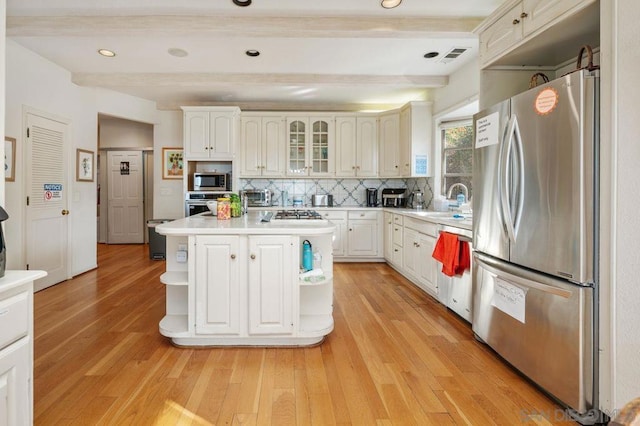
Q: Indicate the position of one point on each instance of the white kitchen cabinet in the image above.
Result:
(16, 346)
(210, 133)
(522, 20)
(388, 236)
(356, 146)
(427, 268)
(271, 278)
(310, 146)
(397, 241)
(416, 149)
(339, 219)
(217, 299)
(262, 146)
(389, 145)
(362, 233)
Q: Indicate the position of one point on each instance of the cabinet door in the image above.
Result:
(426, 265)
(389, 146)
(366, 147)
(15, 388)
(405, 142)
(297, 146)
(410, 261)
(196, 134)
(346, 146)
(362, 237)
(388, 236)
(271, 280)
(273, 147)
(221, 135)
(501, 35)
(217, 301)
(322, 137)
(339, 239)
(540, 13)
(250, 151)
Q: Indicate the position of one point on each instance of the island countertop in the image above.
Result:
(250, 223)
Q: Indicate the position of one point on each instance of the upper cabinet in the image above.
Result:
(415, 140)
(389, 133)
(210, 132)
(525, 18)
(262, 145)
(310, 150)
(356, 146)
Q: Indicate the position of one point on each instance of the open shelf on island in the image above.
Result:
(174, 325)
(316, 324)
(322, 280)
(174, 278)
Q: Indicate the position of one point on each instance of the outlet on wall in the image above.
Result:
(181, 256)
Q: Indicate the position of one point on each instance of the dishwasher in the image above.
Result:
(456, 292)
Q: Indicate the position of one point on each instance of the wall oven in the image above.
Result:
(196, 202)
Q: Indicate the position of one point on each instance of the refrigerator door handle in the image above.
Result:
(504, 180)
(512, 274)
(520, 194)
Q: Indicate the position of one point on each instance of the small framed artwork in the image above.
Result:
(84, 165)
(9, 159)
(172, 163)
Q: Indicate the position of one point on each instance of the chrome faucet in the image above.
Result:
(464, 189)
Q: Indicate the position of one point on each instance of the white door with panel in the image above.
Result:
(209, 133)
(363, 233)
(263, 146)
(271, 280)
(125, 223)
(48, 186)
(356, 146)
(217, 299)
(389, 145)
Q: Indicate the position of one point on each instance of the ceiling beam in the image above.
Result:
(218, 79)
(241, 26)
(246, 106)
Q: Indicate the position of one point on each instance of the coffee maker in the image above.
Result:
(394, 197)
(372, 197)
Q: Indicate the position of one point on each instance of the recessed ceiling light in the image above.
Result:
(177, 52)
(106, 52)
(252, 52)
(431, 55)
(242, 3)
(390, 4)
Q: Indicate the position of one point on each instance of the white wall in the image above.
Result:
(120, 133)
(463, 88)
(39, 84)
(625, 265)
(168, 201)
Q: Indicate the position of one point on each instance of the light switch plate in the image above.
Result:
(181, 256)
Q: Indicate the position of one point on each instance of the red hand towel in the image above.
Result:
(453, 253)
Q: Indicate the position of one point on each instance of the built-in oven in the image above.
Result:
(196, 202)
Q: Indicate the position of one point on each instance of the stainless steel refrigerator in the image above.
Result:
(535, 216)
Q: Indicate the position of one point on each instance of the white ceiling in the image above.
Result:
(329, 54)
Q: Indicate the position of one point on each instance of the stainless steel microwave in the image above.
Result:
(211, 181)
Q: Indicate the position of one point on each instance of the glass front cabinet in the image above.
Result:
(310, 146)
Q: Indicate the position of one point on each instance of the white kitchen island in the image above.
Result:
(237, 282)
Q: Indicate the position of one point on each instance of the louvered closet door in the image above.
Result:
(47, 188)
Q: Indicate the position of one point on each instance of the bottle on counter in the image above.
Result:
(224, 209)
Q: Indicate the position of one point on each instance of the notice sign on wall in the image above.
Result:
(510, 299)
(52, 191)
(124, 167)
(487, 130)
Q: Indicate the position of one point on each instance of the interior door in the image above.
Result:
(47, 183)
(125, 223)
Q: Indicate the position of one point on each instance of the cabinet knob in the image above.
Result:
(417, 245)
(353, 167)
(253, 256)
(64, 212)
(395, 249)
(233, 256)
(389, 222)
(516, 22)
(524, 15)
(350, 229)
(454, 300)
(361, 214)
(396, 167)
(206, 147)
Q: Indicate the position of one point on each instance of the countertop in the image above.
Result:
(250, 223)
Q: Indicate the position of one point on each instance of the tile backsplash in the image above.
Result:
(346, 192)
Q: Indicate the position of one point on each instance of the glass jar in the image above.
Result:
(224, 209)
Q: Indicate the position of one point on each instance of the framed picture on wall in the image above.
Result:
(172, 163)
(84, 165)
(9, 159)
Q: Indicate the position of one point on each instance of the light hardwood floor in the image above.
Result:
(396, 356)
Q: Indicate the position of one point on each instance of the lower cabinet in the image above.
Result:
(417, 263)
(358, 233)
(339, 219)
(271, 279)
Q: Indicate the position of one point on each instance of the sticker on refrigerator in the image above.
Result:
(487, 130)
(546, 101)
(509, 298)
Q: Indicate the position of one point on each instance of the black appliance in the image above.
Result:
(394, 197)
(196, 202)
(3, 216)
(372, 197)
